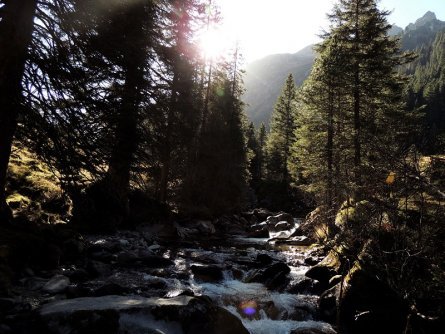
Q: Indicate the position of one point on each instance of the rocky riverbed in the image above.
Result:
(237, 274)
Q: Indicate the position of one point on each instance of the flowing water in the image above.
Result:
(261, 310)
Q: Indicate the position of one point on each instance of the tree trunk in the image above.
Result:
(357, 107)
(119, 168)
(330, 146)
(16, 27)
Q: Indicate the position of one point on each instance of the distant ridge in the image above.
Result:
(265, 77)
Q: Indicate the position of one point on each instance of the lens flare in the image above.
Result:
(249, 308)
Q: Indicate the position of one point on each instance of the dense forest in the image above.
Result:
(136, 197)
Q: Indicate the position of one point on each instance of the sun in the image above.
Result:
(214, 43)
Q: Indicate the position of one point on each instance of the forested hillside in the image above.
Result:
(264, 77)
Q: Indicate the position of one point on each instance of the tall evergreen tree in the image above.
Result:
(353, 104)
(216, 182)
(262, 138)
(282, 133)
(16, 26)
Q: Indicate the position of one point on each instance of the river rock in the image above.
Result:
(272, 220)
(97, 268)
(296, 241)
(312, 260)
(206, 227)
(273, 276)
(313, 331)
(57, 284)
(304, 286)
(155, 261)
(126, 258)
(118, 314)
(208, 273)
(110, 289)
(264, 259)
(326, 269)
(368, 304)
(328, 302)
(282, 226)
(262, 214)
(263, 233)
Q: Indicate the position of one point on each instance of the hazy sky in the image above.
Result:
(266, 27)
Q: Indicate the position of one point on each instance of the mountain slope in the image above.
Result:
(265, 77)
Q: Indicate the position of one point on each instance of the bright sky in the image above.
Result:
(265, 27)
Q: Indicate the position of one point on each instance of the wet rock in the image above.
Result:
(296, 241)
(204, 317)
(368, 304)
(282, 226)
(77, 291)
(126, 258)
(326, 269)
(305, 286)
(110, 289)
(102, 256)
(118, 314)
(328, 303)
(78, 275)
(273, 220)
(155, 261)
(207, 273)
(264, 233)
(312, 260)
(206, 227)
(33, 283)
(273, 276)
(312, 331)
(264, 259)
(262, 214)
(335, 280)
(57, 284)
(97, 268)
(154, 247)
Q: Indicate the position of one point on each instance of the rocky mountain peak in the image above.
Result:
(429, 18)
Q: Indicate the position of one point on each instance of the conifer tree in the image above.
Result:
(16, 26)
(262, 138)
(282, 133)
(352, 105)
(216, 183)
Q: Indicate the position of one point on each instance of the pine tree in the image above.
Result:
(352, 113)
(262, 138)
(253, 154)
(282, 133)
(216, 182)
(16, 26)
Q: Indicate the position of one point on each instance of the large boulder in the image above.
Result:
(274, 276)
(368, 305)
(56, 284)
(281, 217)
(118, 314)
(315, 225)
(209, 273)
(327, 268)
